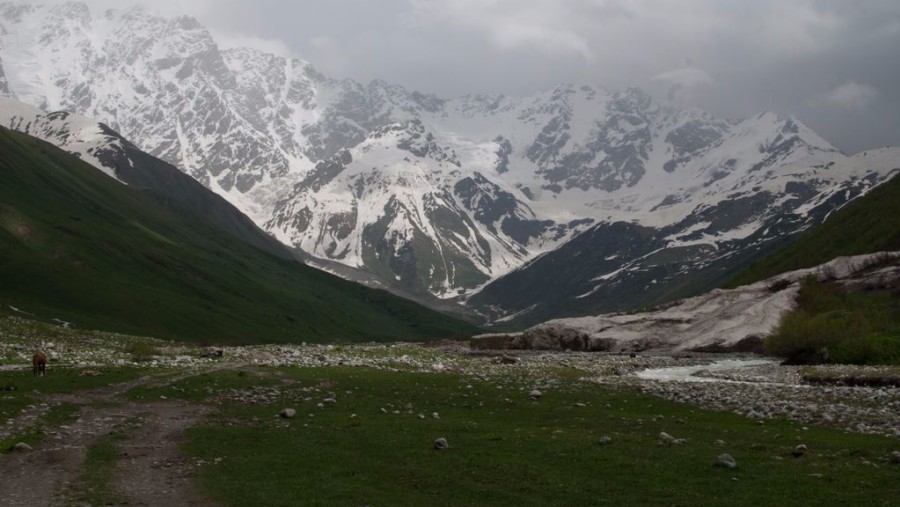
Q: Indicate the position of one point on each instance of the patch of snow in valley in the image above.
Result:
(719, 318)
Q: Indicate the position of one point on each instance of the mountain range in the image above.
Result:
(578, 199)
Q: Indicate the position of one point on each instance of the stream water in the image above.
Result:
(688, 373)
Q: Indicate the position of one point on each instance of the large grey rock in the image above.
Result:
(726, 461)
(440, 444)
(21, 447)
(288, 413)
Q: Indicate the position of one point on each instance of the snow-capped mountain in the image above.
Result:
(619, 265)
(440, 196)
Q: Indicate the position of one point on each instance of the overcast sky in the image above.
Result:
(833, 63)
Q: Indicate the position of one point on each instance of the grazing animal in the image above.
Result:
(39, 363)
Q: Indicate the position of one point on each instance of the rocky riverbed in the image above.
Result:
(772, 390)
(749, 385)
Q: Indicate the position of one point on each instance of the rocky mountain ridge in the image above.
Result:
(619, 265)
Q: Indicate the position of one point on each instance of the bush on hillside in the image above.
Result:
(837, 327)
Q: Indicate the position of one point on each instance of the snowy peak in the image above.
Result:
(412, 137)
(161, 81)
(403, 202)
(780, 141)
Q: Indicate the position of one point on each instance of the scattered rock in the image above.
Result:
(21, 447)
(798, 451)
(535, 394)
(441, 443)
(435, 415)
(90, 373)
(895, 457)
(288, 413)
(604, 440)
(212, 352)
(666, 438)
(725, 461)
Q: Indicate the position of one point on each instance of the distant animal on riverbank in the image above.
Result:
(39, 363)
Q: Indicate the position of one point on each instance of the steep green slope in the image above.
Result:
(869, 224)
(78, 246)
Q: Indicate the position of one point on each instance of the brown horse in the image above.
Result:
(39, 363)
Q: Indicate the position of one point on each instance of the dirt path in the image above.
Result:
(150, 470)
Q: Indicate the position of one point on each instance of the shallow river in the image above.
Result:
(688, 373)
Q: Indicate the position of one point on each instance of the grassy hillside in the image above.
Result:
(870, 224)
(78, 246)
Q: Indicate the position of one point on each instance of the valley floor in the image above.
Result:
(176, 428)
